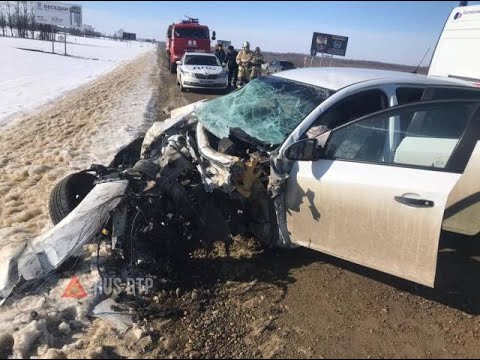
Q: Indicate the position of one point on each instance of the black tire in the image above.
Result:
(68, 193)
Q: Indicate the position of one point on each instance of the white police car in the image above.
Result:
(201, 71)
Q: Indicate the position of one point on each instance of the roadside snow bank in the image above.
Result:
(87, 126)
(130, 118)
(31, 76)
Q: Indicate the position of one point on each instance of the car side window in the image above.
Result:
(432, 135)
(441, 93)
(407, 95)
(353, 107)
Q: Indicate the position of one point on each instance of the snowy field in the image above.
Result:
(32, 78)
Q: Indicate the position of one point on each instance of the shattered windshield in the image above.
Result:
(267, 109)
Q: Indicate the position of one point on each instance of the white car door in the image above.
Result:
(383, 212)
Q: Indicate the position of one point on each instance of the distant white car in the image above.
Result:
(279, 65)
(201, 71)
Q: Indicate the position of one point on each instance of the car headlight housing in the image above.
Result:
(188, 74)
(222, 75)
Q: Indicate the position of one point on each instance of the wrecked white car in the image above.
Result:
(365, 165)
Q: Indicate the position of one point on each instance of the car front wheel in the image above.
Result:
(68, 194)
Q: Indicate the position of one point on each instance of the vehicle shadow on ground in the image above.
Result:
(456, 285)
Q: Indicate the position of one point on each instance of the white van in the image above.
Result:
(457, 53)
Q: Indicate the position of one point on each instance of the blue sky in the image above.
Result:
(389, 31)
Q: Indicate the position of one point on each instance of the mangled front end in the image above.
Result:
(233, 168)
(185, 187)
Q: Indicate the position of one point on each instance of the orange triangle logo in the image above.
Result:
(74, 290)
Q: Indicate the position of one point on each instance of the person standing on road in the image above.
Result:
(244, 61)
(220, 53)
(231, 62)
(257, 62)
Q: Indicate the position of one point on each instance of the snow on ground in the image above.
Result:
(83, 126)
(32, 78)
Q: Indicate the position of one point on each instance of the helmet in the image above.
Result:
(246, 45)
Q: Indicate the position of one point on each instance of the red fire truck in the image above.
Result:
(187, 35)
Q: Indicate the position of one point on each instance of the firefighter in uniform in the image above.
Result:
(244, 61)
(257, 63)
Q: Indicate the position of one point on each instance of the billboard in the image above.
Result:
(129, 36)
(57, 13)
(328, 44)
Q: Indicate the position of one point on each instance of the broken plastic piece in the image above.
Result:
(47, 252)
(109, 311)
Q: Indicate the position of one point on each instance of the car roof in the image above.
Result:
(336, 78)
(199, 53)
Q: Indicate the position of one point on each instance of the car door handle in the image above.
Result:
(424, 203)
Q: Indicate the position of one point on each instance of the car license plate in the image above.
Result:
(206, 81)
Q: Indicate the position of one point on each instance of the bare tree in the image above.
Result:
(21, 18)
(16, 20)
(118, 34)
(3, 16)
(31, 19)
(10, 16)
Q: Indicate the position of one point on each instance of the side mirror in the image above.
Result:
(179, 63)
(214, 35)
(304, 150)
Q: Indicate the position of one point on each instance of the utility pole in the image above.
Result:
(65, 41)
